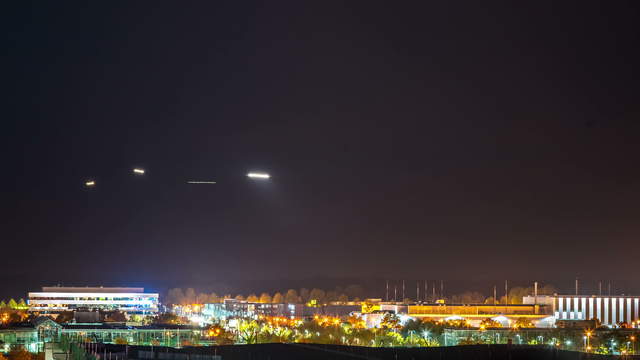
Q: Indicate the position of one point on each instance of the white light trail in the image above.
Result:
(255, 175)
(138, 171)
(90, 183)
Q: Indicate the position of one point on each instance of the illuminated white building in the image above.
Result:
(131, 301)
(609, 310)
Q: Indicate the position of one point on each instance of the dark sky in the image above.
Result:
(466, 141)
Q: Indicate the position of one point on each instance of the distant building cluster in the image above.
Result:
(131, 315)
(542, 311)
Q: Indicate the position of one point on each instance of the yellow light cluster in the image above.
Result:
(214, 332)
(280, 321)
(327, 320)
(193, 308)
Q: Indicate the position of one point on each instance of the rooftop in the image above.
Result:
(95, 289)
(108, 326)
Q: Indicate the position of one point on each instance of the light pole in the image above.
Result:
(588, 336)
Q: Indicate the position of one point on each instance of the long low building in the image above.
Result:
(444, 310)
(539, 315)
(131, 301)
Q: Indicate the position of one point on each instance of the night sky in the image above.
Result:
(467, 141)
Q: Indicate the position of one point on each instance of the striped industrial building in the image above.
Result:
(609, 310)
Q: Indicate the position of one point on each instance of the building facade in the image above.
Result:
(30, 335)
(232, 308)
(608, 310)
(33, 335)
(131, 301)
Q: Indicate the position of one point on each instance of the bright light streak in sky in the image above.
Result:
(90, 183)
(255, 175)
(138, 171)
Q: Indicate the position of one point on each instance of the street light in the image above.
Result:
(258, 175)
(589, 333)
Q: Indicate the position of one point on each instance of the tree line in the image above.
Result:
(178, 296)
(12, 312)
(13, 305)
